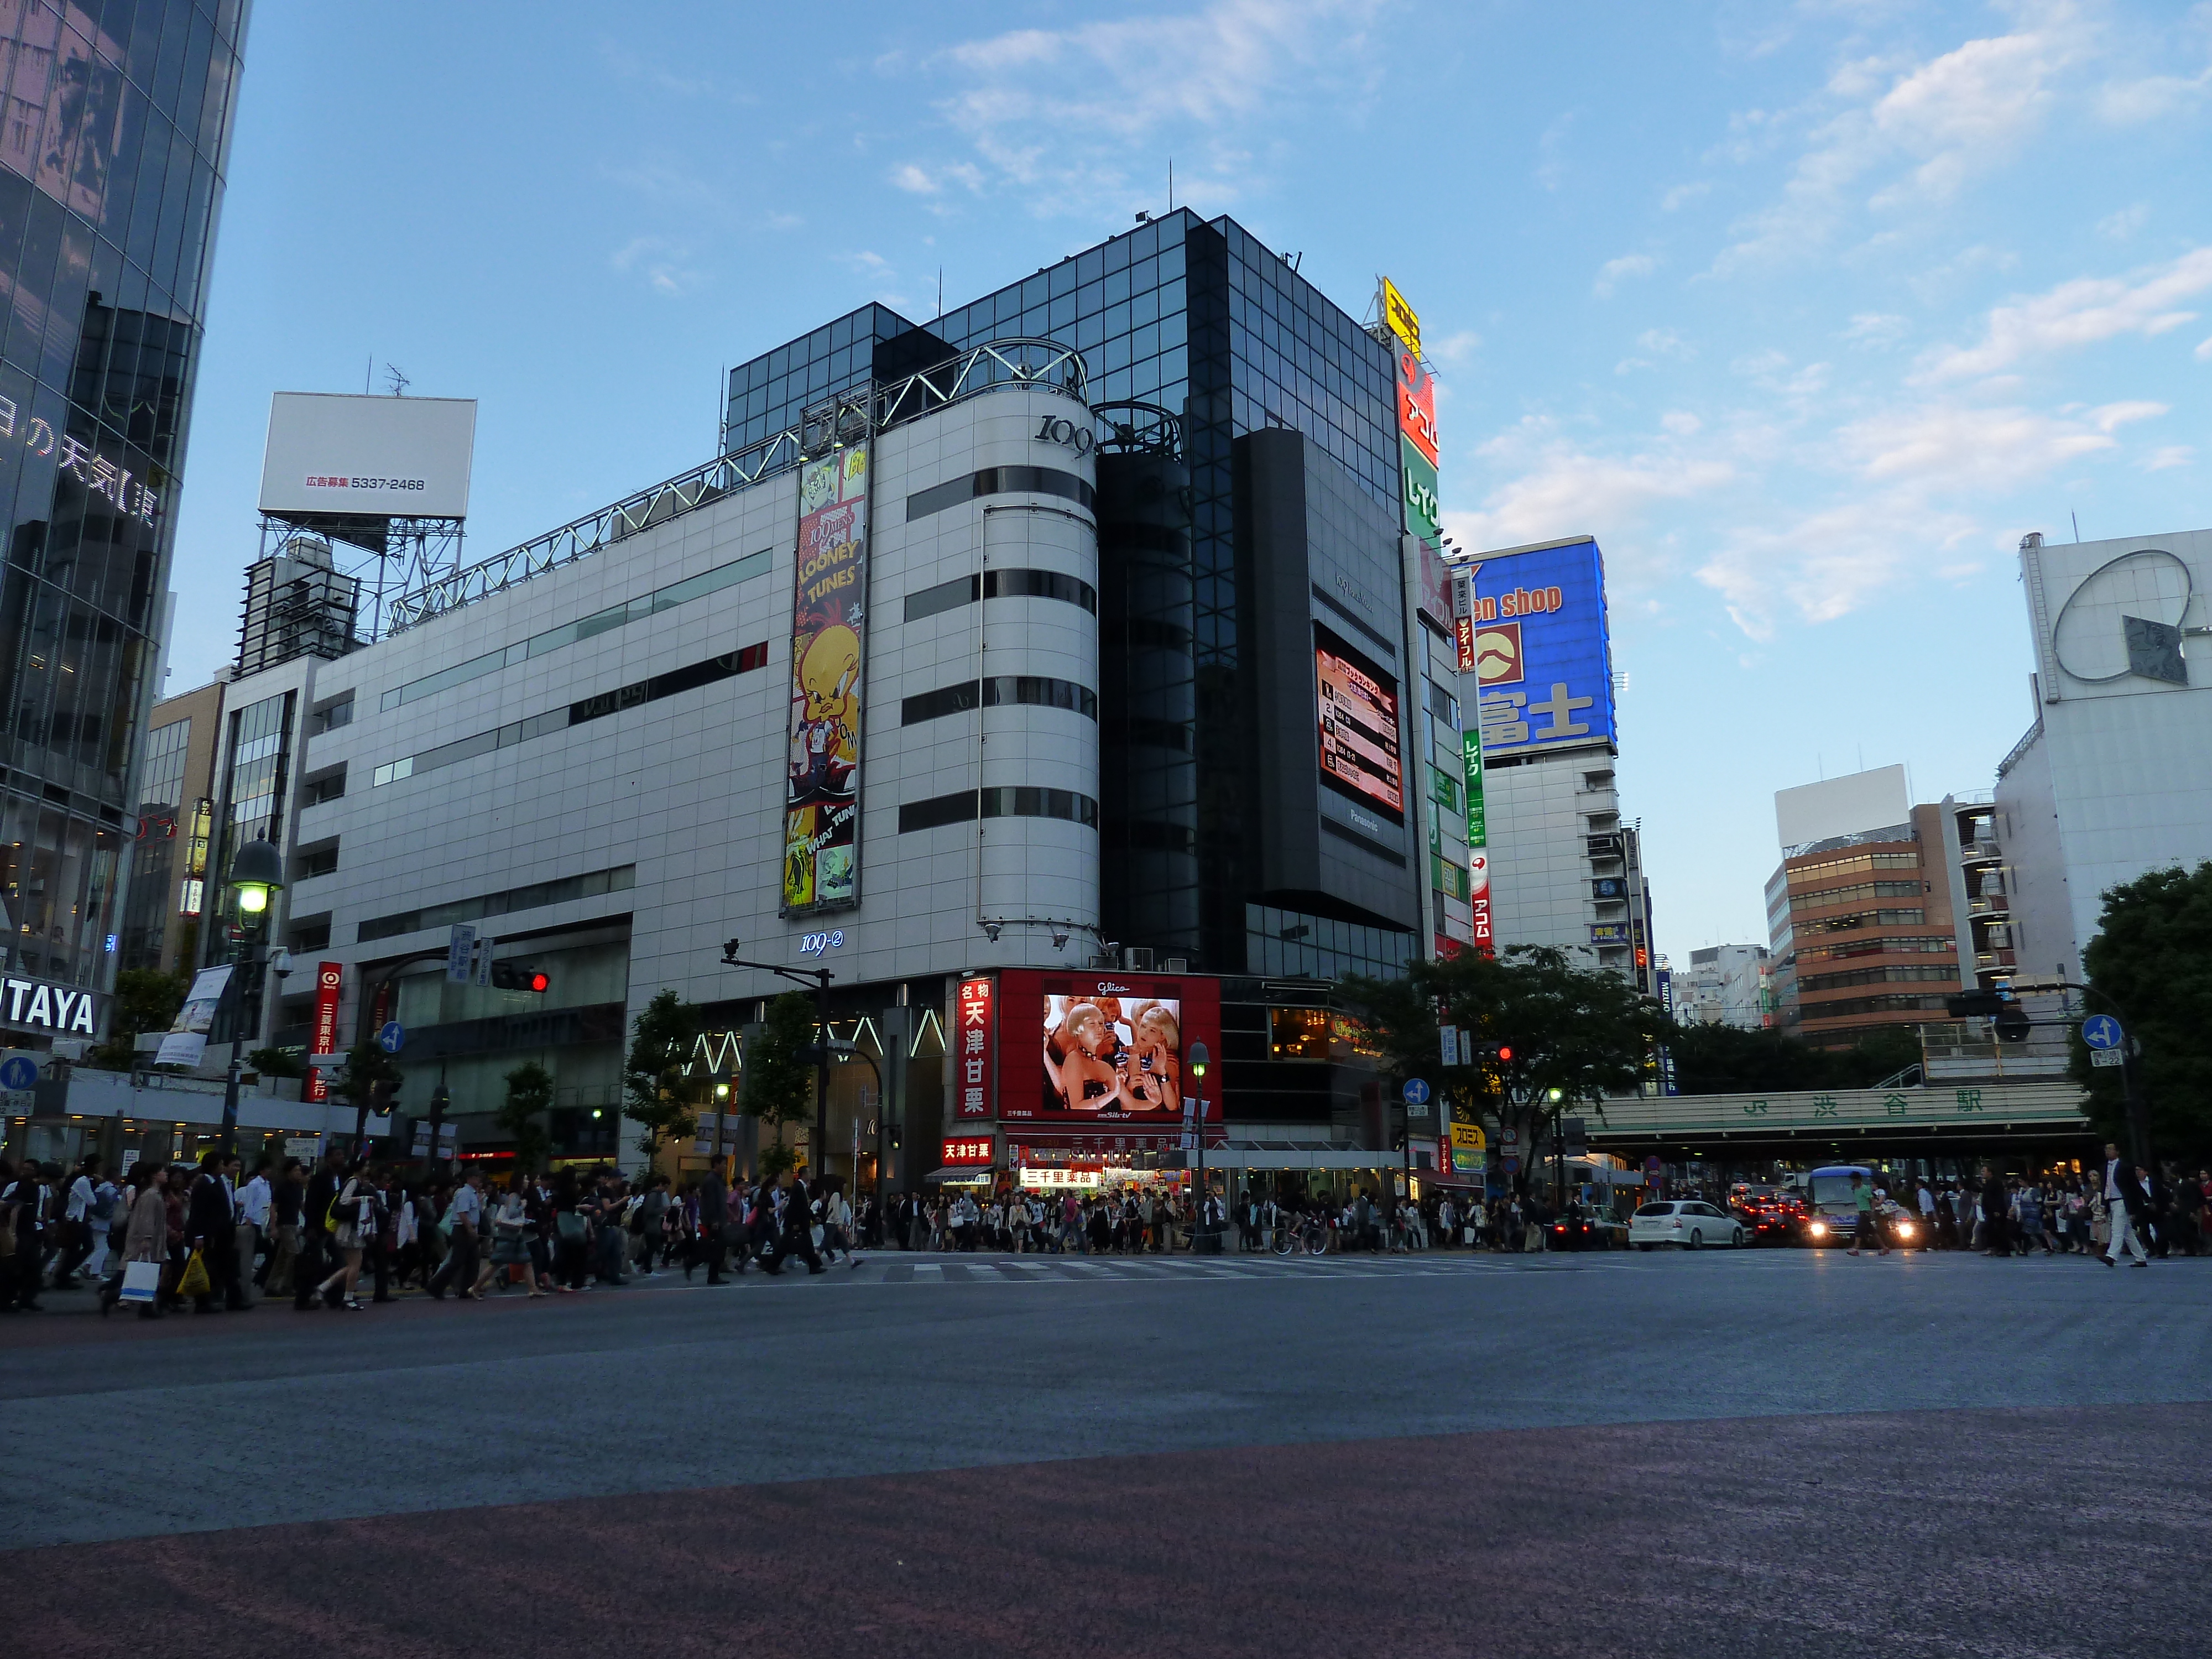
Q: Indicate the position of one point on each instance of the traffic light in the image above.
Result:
(2011, 1023)
(519, 976)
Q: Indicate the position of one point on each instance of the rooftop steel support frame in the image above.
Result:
(854, 416)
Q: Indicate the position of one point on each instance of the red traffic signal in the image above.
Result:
(517, 976)
(1505, 1054)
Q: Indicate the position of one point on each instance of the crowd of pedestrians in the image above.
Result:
(2112, 1212)
(340, 1234)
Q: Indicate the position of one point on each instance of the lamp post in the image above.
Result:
(257, 873)
(819, 979)
(1200, 1060)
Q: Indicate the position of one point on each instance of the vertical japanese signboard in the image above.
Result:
(1478, 839)
(975, 1048)
(330, 977)
(829, 631)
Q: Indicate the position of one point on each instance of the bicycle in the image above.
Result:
(1290, 1235)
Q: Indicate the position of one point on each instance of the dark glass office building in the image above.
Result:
(1248, 493)
(114, 134)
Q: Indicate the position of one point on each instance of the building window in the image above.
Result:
(936, 705)
(322, 862)
(620, 879)
(937, 811)
(999, 481)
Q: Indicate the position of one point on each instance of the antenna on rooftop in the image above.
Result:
(395, 381)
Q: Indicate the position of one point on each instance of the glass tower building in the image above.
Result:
(1196, 321)
(115, 121)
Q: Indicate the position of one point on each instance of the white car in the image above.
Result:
(1691, 1222)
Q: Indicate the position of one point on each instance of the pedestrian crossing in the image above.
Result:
(900, 1268)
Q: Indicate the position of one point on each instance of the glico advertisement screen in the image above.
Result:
(1358, 722)
(1112, 1049)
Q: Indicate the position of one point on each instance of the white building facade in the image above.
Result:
(2111, 779)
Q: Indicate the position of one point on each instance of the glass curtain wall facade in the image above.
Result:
(1199, 317)
(160, 814)
(114, 125)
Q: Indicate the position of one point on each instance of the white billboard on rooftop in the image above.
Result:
(344, 452)
(1848, 805)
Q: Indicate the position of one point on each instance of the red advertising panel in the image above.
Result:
(975, 1039)
(1112, 1049)
(1478, 871)
(1417, 404)
(967, 1152)
(330, 978)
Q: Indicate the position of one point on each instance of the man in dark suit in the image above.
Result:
(713, 1224)
(211, 1228)
(2126, 1205)
(785, 1208)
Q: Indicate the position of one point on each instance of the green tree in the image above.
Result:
(369, 1072)
(2152, 958)
(1576, 1034)
(529, 1092)
(277, 1062)
(777, 1086)
(146, 999)
(1724, 1060)
(664, 1038)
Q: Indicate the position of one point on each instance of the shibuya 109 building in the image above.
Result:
(1072, 677)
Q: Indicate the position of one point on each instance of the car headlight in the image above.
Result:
(1905, 1229)
(1818, 1229)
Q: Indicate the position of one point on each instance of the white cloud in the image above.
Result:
(1957, 448)
(2082, 312)
(1059, 113)
(2153, 97)
(1454, 349)
(2170, 455)
(1551, 164)
(1561, 488)
(1613, 270)
(1828, 562)
(1876, 328)
(1912, 136)
(1665, 342)
(1682, 424)
(660, 262)
(1683, 194)
(2204, 352)
(2125, 223)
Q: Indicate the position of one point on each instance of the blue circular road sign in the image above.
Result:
(19, 1071)
(1417, 1092)
(393, 1037)
(2102, 1031)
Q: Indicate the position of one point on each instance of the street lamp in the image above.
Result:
(819, 979)
(257, 874)
(1200, 1060)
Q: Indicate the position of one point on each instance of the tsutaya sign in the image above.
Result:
(39, 1004)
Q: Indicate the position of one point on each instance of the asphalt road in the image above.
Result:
(1720, 1453)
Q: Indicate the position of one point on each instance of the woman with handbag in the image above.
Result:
(352, 1221)
(572, 1236)
(510, 1245)
(145, 1237)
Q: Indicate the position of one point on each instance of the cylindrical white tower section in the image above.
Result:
(1037, 660)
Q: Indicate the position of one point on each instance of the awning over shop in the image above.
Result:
(962, 1177)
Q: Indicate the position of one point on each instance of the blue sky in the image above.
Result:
(1807, 313)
